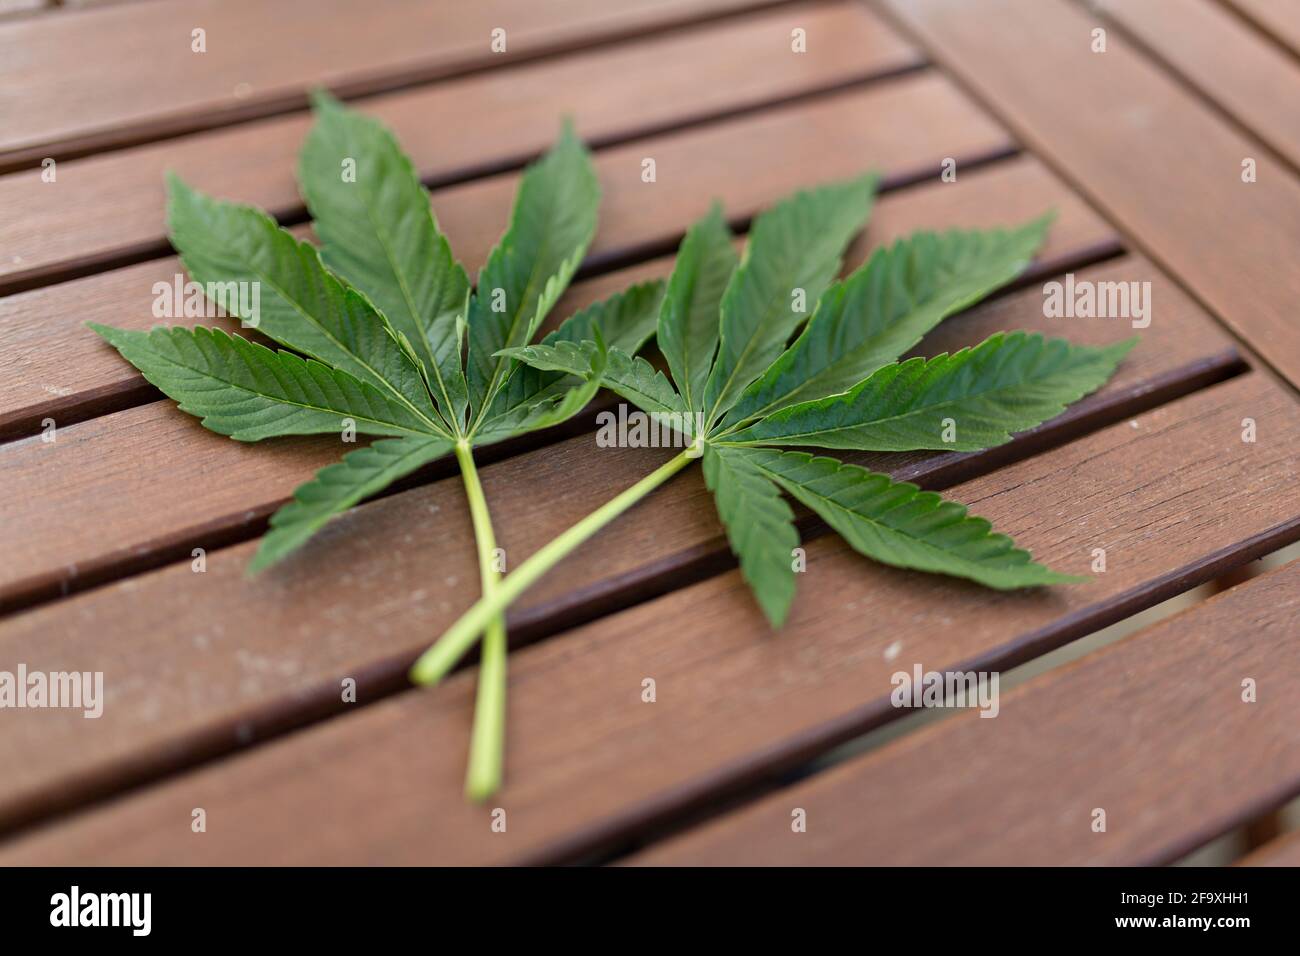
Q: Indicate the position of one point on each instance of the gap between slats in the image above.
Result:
(1246, 12)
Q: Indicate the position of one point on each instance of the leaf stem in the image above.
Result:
(434, 663)
(487, 743)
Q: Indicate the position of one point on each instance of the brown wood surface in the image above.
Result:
(1280, 19)
(1284, 851)
(1174, 496)
(162, 503)
(1152, 730)
(1224, 59)
(109, 209)
(748, 162)
(92, 80)
(223, 691)
(1165, 167)
(1189, 352)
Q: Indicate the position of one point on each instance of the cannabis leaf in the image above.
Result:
(725, 330)
(382, 335)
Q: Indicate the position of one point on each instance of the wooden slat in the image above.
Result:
(1225, 59)
(588, 761)
(108, 209)
(1152, 730)
(77, 83)
(1154, 157)
(278, 620)
(1278, 18)
(747, 162)
(1284, 851)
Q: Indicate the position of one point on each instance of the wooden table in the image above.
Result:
(223, 693)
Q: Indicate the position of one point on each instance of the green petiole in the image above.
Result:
(434, 663)
(487, 743)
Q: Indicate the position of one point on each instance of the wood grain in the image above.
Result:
(92, 81)
(1162, 165)
(1152, 730)
(226, 630)
(748, 163)
(589, 763)
(1224, 59)
(164, 502)
(109, 209)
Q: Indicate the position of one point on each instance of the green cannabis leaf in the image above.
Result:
(741, 388)
(382, 335)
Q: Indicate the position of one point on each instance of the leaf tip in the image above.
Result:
(176, 186)
(776, 610)
(1121, 349)
(183, 201)
(1043, 577)
(1071, 579)
(322, 100)
(569, 138)
(1043, 220)
(113, 336)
